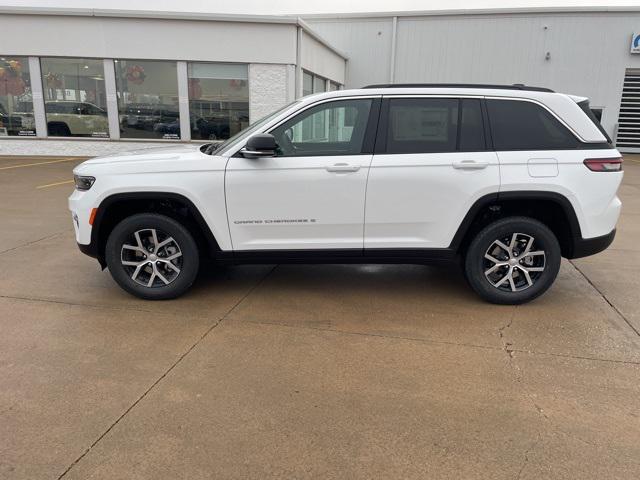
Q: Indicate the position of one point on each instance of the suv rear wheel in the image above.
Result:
(152, 256)
(512, 260)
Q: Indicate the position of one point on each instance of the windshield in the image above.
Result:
(241, 135)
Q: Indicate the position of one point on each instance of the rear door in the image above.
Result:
(431, 164)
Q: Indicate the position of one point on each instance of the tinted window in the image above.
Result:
(74, 92)
(218, 99)
(146, 89)
(471, 129)
(422, 125)
(334, 128)
(307, 84)
(517, 125)
(16, 108)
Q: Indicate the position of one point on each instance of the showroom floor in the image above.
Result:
(308, 371)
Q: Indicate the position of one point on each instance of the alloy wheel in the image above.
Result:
(514, 263)
(151, 258)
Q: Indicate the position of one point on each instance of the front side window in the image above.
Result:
(218, 100)
(75, 100)
(521, 125)
(333, 128)
(148, 99)
(16, 105)
(422, 125)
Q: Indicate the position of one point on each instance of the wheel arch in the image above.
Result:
(118, 206)
(551, 208)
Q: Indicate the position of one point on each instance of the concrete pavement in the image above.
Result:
(325, 371)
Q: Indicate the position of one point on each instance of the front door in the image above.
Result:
(311, 194)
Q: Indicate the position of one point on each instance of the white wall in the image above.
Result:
(588, 51)
(317, 58)
(138, 38)
(367, 43)
(270, 87)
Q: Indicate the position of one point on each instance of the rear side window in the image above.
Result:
(420, 125)
(518, 125)
(433, 125)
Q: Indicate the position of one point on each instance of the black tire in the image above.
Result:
(154, 266)
(531, 275)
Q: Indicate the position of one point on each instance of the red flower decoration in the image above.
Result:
(135, 74)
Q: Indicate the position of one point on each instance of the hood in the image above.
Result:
(146, 154)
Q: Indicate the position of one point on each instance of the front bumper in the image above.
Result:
(583, 247)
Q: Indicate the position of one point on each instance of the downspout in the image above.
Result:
(394, 35)
(298, 80)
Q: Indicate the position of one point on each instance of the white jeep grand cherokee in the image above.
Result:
(506, 179)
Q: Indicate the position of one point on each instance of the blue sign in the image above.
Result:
(635, 43)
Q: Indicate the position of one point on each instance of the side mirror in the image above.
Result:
(260, 145)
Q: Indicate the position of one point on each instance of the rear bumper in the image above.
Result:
(583, 247)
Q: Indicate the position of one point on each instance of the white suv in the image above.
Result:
(505, 179)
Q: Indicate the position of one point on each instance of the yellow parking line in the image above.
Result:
(39, 163)
(631, 160)
(55, 184)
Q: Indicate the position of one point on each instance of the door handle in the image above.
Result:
(470, 165)
(343, 168)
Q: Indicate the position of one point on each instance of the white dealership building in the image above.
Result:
(86, 81)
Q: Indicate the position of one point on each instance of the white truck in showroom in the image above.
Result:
(504, 179)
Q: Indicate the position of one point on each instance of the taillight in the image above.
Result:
(604, 164)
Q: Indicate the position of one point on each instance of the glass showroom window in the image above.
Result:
(218, 100)
(319, 85)
(16, 106)
(333, 86)
(147, 99)
(75, 101)
(307, 84)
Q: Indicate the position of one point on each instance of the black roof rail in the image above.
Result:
(515, 86)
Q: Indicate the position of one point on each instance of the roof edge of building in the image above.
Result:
(168, 15)
(473, 11)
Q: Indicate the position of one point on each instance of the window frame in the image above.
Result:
(383, 124)
(371, 129)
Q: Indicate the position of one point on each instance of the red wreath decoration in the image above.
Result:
(135, 74)
(11, 82)
(195, 89)
(53, 80)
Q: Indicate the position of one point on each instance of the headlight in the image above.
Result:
(83, 183)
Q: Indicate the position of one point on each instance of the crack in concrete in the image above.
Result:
(442, 342)
(17, 247)
(507, 346)
(519, 376)
(75, 304)
(604, 297)
(526, 456)
(173, 365)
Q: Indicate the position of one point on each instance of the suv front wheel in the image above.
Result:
(512, 260)
(152, 256)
